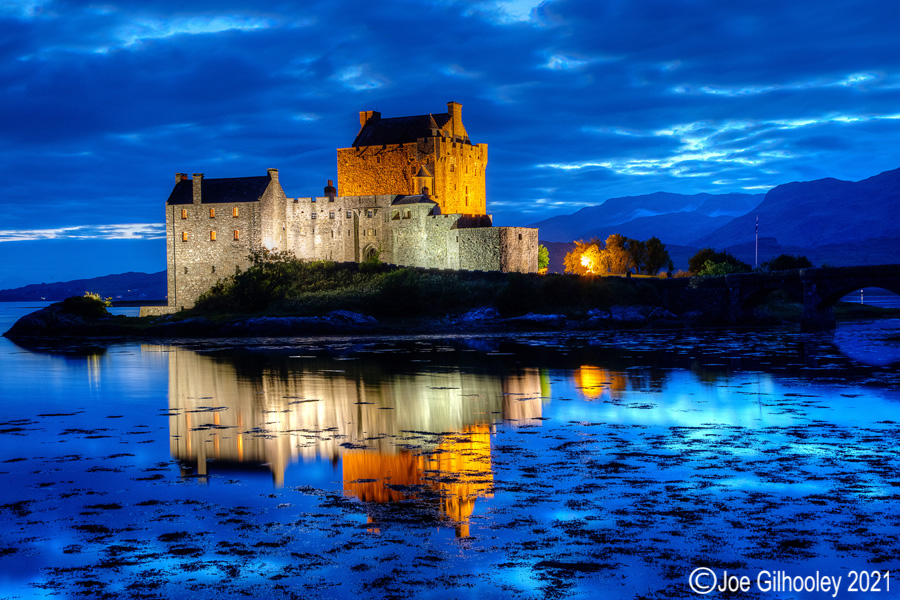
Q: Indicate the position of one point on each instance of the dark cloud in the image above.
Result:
(578, 100)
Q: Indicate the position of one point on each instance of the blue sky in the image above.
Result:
(579, 101)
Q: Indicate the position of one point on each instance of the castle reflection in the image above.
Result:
(398, 433)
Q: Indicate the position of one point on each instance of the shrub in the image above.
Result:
(783, 262)
(89, 305)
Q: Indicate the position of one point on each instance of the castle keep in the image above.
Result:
(412, 193)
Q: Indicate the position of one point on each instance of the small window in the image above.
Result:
(185, 270)
(312, 215)
(452, 167)
(369, 214)
(212, 213)
(378, 159)
(237, 234)
(331, 215)
(184, 213)
(520, 236)
(349, 214)
(406, 214)
(184, 236)
(214, 269)
(371, 232)
(235, 212)
(212, 236)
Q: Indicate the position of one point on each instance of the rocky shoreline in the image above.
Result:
(54, 322)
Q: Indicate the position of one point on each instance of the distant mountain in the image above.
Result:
(673, 218)
(124, 286)
(826, 212)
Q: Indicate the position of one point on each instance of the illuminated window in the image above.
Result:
(212, 213)
(235, 212)
(237, 234)
(184, 236)
(212, 236)
(184, 213)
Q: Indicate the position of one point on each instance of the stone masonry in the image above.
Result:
(212, 225)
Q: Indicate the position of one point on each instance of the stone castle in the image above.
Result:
(412, 192)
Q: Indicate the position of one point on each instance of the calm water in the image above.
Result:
(542, 466)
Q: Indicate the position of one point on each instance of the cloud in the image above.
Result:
(124, 231)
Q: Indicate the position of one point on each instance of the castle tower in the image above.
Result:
(403, 155)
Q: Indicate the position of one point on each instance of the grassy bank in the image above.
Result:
(279, 284)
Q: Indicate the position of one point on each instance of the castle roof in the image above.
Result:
(399, 130)
(231, 189)
(415, 199)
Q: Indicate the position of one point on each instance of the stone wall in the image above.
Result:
(458, 170)
(195, 260)
(504, 249)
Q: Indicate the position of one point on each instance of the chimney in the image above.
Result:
(330, 191)
(368, 115)
(179, 177)
(198, 181)
(273, 174)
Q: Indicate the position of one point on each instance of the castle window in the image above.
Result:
(349, 214)
(406, 214)
(235, 212)
(331, 215)
(237, 234)
(212, 236)
(214, 269)
(184, 213)
(452, 167)
(312, 215)
(185, 270)
(370, 232)
(184, 236)
(369, 214)
(212, 213)
(378, 159)
(520, 236)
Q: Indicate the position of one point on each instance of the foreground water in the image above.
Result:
(557, 466)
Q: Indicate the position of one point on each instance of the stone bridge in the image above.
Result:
(733, 297)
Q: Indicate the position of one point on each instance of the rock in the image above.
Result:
(539, 319)
(483, 313)
(349, 317)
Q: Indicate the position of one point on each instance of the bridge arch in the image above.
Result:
(838, 292)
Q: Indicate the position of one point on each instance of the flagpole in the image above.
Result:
(757, 241)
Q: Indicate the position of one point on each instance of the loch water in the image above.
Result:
(546, 465)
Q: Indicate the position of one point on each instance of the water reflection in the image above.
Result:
(396, 435)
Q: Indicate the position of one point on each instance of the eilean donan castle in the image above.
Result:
(411, 191)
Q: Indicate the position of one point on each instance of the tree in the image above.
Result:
(582, 259)
(697, 264)
(638, 252)
(657, 257)
(783, 262)
(543, 257)
(614, 258)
